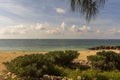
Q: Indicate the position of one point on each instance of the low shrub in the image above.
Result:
(34, 65)
(96, 75)
(105, 61)
(63, 58)
(68, 72)
(114, 75)
(37, 65)
(88, 75)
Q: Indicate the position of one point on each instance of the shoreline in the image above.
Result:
(47, 50)
(8, 55)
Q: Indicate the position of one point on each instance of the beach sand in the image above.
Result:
(7, 56)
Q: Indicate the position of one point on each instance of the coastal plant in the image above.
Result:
(98, 75)
(34, 66)
(113, 75)
(63, 58)
(88, 75)
(105, 61)
(31, 66)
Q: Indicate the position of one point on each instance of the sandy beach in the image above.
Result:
(7, 56)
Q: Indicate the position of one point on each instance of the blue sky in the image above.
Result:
(54, 19)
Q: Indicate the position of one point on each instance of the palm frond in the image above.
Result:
(89, 8)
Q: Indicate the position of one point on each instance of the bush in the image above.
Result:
(114, 75)
(88, 75)
(36, 65)
(96, 75)
(68, 72)
(106, 61)
(63, 58)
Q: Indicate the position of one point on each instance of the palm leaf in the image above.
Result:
(89, 8)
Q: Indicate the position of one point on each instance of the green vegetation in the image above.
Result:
(36, 65)
(97, 75)
(105, 61)
(105, 66)
(62, 58)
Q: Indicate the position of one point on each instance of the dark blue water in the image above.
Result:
(53, 44)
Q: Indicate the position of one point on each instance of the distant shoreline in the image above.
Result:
(44, 50)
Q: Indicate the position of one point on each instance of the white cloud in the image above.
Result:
(53, 31)
(107, 33)
(63, 26)
(47, 30)
(113, 31)
(60, 11)
(97, 31)
(84, 28)
(74, 28)
(40, 26)
(14, 30)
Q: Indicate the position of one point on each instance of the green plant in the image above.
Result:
(36, 65)
(105, 61)
(68, 72)
(97, 75)
(63, 58)
(88, 75)
(31, 66)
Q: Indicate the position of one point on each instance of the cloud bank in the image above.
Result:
(46, 30)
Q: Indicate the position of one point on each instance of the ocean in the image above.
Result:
(53, 44)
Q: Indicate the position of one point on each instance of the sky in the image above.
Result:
(53, 19)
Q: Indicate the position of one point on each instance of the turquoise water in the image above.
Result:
(53, 44)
